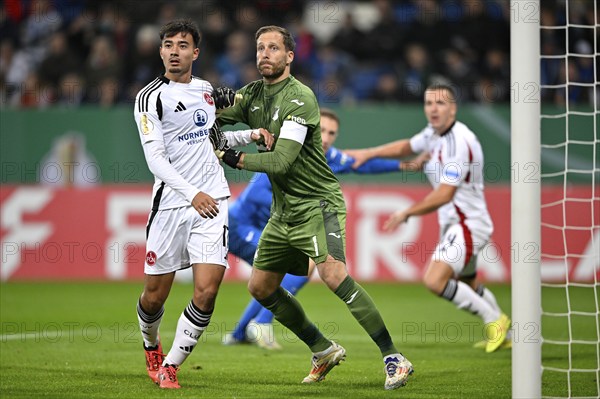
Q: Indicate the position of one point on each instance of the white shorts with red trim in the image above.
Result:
(459, 248)
(180, 237)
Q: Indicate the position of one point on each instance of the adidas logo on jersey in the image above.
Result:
(180, 107)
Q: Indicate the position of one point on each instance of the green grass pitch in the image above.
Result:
(73, 340)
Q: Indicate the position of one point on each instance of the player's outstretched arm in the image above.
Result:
(341, 163)
(416, 164)
(276, 162)
(438, 197)
(395, 149)
(261, 137)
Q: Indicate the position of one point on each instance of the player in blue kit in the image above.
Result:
(249, 214)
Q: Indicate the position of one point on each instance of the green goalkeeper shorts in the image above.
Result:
(286, 248)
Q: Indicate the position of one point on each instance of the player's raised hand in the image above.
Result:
(395, 220)
(224, 97)
(264, 137)
(206, 205)
(360, 157)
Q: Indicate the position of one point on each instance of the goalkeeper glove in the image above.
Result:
(221, 147)
(224, 97)
(217, 138)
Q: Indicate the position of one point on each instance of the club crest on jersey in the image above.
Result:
(208, 98)
(146, 124)
(151, 258)
(200, 117)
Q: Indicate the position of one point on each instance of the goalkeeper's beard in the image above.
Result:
(276, 73)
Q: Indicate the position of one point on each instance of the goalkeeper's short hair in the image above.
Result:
(288, 39)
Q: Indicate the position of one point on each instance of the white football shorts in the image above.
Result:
(180, 237)
(459, 248)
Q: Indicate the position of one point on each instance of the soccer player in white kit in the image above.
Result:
(187, 226)
(455, 170)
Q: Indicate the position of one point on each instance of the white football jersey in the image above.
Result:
(457, 160)
(180, 115)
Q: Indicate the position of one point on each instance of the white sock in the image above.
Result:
(488, 295)
(190, 326)
(149, 325)
(490, 298)
(463, 296)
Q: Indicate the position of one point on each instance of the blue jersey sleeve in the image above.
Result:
(342, 163)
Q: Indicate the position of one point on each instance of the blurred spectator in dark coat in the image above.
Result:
(58, 62)
(388, 89)
(417, 72)
(103, 63)
(494, 84)
(143, 64)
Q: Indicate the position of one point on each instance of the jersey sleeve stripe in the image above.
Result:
(451, 151)
(159, 107)
(145, 95)
(142, 93)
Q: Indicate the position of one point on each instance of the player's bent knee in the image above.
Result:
(436, 277)
(332, 272)
(258, 291)
(434, 284)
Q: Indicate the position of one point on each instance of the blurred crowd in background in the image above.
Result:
(74, 52)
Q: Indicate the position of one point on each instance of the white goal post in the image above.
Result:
(555, 198)
(525, 198)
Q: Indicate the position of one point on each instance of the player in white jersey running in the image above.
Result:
(455, 170)
(187, 226)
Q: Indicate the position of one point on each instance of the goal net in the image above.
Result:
(570, 198)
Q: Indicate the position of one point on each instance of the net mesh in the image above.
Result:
(570, 146)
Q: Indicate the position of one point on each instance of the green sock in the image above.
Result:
(365, 312)
(287, 311)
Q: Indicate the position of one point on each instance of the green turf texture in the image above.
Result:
(73, 340)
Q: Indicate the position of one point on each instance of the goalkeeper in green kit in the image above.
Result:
(308, 213)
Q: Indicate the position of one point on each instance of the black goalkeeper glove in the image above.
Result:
(221, 147)
(224, 97)
(218, 139)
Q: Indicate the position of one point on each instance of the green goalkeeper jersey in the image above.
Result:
(301, 179)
